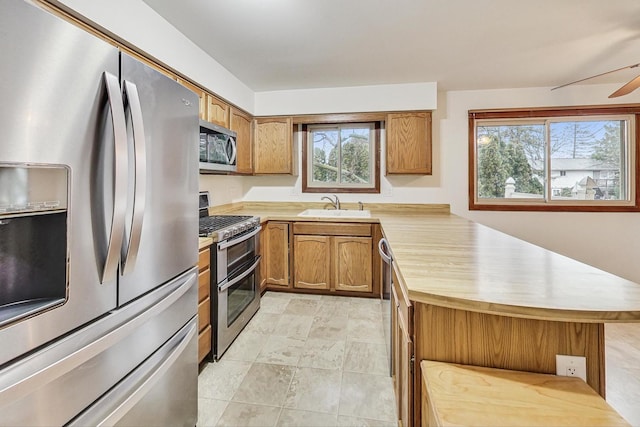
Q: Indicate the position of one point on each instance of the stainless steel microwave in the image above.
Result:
(218, 149)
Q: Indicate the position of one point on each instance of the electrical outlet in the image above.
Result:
(571, 366)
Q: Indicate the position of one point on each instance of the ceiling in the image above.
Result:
(461, 44)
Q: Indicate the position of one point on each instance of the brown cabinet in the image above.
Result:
(312, 265)
(217, 111)
(204, 303)
(202, 95)
(408, 143)
(333, 256)
(276, 254)
(240, 123)
(402, 349)
(273, 145)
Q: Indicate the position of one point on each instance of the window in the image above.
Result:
(580, 159)
(341, 157)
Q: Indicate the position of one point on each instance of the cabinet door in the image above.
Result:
(403, 352)
(217, 111)
(277, 265)
(273, 151)
(312, 262)
(408, 143)
(241, 124)
(352, 258)
(201, 94)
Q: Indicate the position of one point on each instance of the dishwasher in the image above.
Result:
(387, 278)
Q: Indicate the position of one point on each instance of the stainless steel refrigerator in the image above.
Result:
(98, 231)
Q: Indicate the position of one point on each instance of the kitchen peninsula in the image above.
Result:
(480, 297)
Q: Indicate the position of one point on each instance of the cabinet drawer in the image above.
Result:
(405, 309)
(204, 283)
(204, 314)
(204, 343)
(204, 259)
(332, 229)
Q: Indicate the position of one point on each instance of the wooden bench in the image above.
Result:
(464, 395)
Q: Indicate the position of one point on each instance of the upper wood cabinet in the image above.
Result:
(408, 143)
(217, 111)
(240, 123)
(273, 145)
(201, 94)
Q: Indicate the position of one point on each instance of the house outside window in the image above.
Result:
(580, 159)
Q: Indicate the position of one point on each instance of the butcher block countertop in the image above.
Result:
(449, 261)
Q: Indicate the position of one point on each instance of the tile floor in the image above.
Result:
(303, 360)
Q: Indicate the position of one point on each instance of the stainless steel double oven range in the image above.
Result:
(235, 293)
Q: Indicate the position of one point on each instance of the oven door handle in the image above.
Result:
(225, 245)
(223, 287)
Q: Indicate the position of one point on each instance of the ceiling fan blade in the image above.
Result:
(597, 75)
(628, 88)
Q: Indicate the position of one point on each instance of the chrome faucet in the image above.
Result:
(360, 206)
(335, 203)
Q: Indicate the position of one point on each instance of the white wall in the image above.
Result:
(134, 21)
(609, 241)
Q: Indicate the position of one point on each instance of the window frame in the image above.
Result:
(516, 115)
(375, 157)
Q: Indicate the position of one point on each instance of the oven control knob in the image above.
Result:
(224, 235)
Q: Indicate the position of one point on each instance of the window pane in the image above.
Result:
(355, 161)
(510, 161)
(325, 155)
(587, 160)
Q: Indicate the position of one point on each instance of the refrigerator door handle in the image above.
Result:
(120, 178)
(130, 251)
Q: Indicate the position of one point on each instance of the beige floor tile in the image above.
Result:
(279, 295)
(365, 330)
(265, 384)
(296, 418)
(363, 422)
(323, 354)
(367, 396)
(364, 312)
(221, 379)
(334, 308)
(246, 347)
(368, 358)
(332, 328)
(281, 350)
(293, 326)
(306, 296)
(210, 411)
(263, 323)
(315, 390)
(306, 307)
(248, 415)
(269, 304)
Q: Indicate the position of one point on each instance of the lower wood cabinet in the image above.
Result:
(204, 303)
(275, 257)
(333, 256)
(402, 352)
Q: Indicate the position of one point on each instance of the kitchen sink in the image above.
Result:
(336, 213)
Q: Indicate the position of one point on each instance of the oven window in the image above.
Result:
(239, 296)
(239, 255)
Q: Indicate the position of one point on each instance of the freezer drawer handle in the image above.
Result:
(130, 250)
(120, 178)
(135, 387)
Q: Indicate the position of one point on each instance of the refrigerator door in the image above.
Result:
(53, 385)
(161, 239)
(54, 110)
